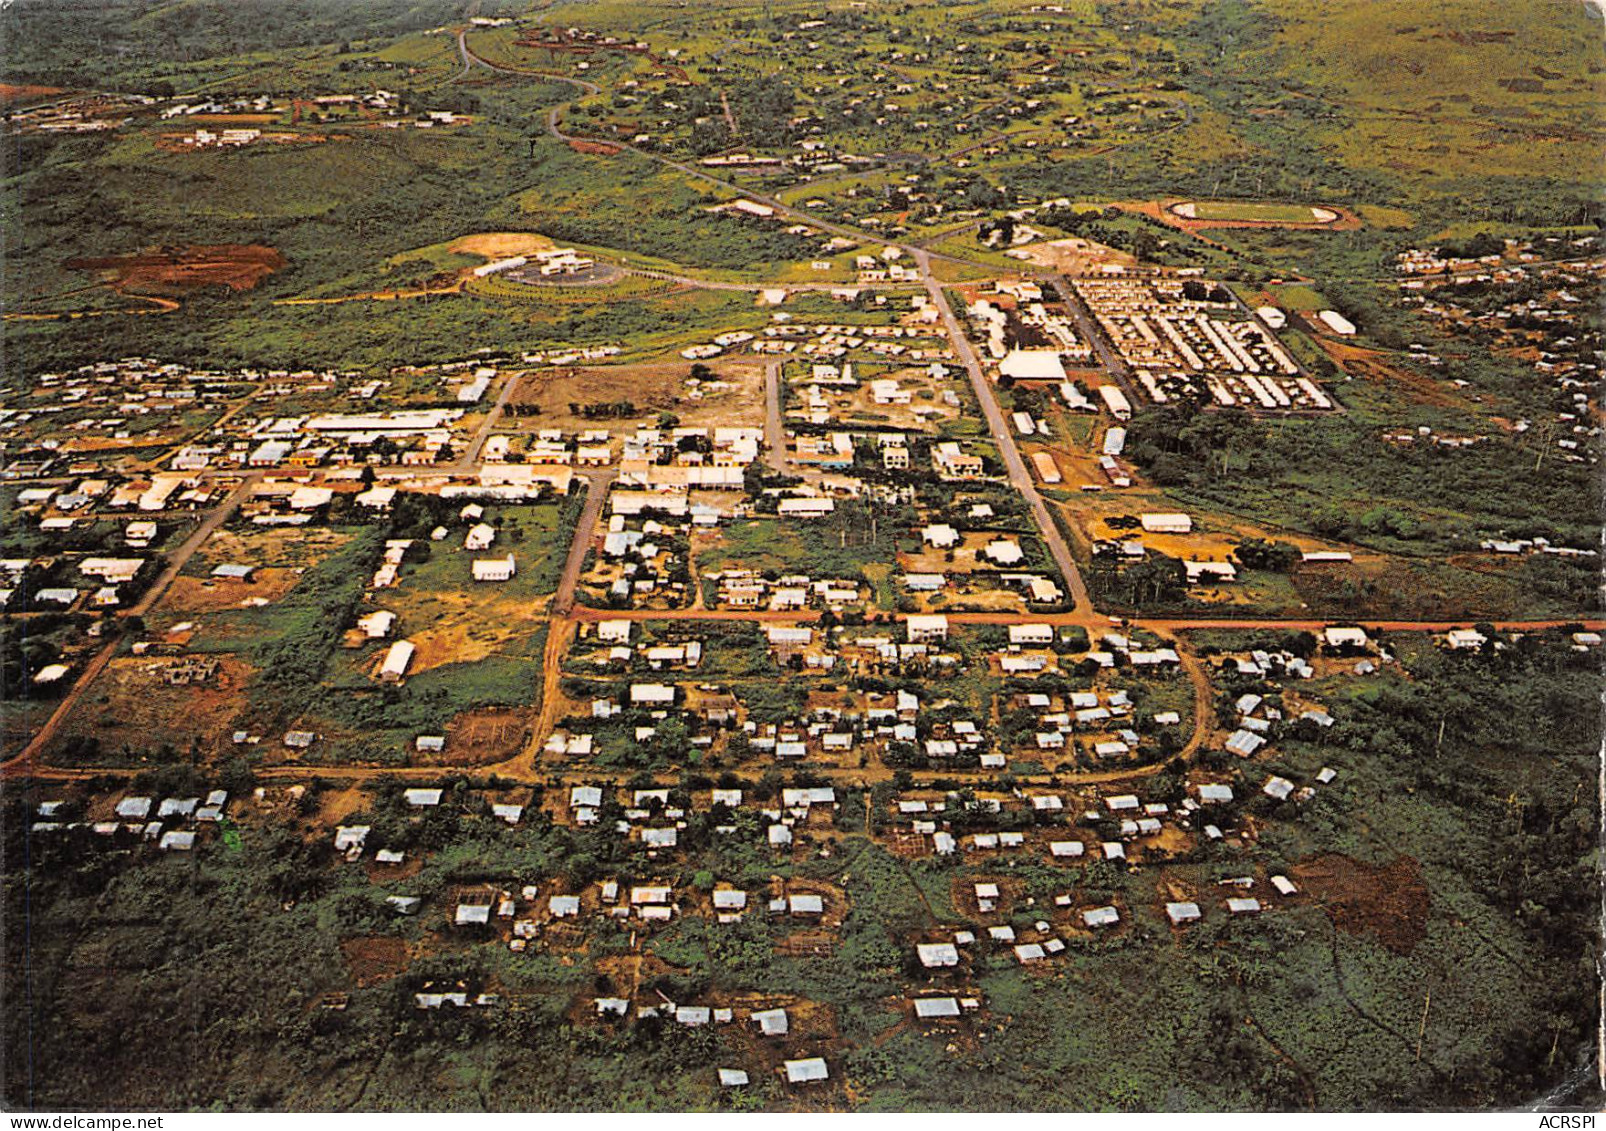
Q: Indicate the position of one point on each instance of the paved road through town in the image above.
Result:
(597, 484)
(774, 431)
(1019, 475)
(469, 460)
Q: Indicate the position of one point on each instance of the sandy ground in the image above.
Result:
(1075, 255)
(500, 245)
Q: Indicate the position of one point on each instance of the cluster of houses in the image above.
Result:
(233, 137)
(840, 726)
(172, 824)
(1259, 717)
(90, 113)
(862, 651)
(413, 437)
(917, 343)
(867, 96)
(128, 403)
(529, 910)
(648, 818)
(1106, 719)
(643, 552)
(1536, 545)
(137, 401)
(552, 263)
(1059, 826)
(103, 111)
(1024, 337)
(750, 589)
(885, 268)
(1197, 570)
(654, 656)
(1049, 930)
(1532, 297)
(905, 397)
(58, 582)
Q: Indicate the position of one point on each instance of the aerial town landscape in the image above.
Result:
(752, 555)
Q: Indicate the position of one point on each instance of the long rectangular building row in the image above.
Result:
(1188, 338)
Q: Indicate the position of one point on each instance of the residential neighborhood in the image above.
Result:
(967, 557)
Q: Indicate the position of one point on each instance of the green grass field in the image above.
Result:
(1253, 212)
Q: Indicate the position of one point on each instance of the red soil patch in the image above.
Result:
(1387, 902)
(232, 119)
(15, 92)
(482, 737)
(374, 958)
(238, 267)
(1373, 365)
(212, 594)
(599, 148)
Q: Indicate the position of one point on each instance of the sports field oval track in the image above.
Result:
(1259, 213)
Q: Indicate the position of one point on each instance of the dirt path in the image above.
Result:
(162, 306)
(559, 635)
(1343, 991)
(1203, 715)
(470, 458)
(155, 462)
(1187, 625)
(372, 296)
(1305, 1078)
(561, 628)
(598, 483)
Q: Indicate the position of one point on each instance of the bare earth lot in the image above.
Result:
(652, 387)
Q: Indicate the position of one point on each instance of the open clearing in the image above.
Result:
(12, 93)
(239, 267)
(501, 245)
(652, 387)
(1374, 365)
(214, 594)
(1388, 902)
(1075, 254)
(133, 712)
(374, 958)
(1194, 217)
